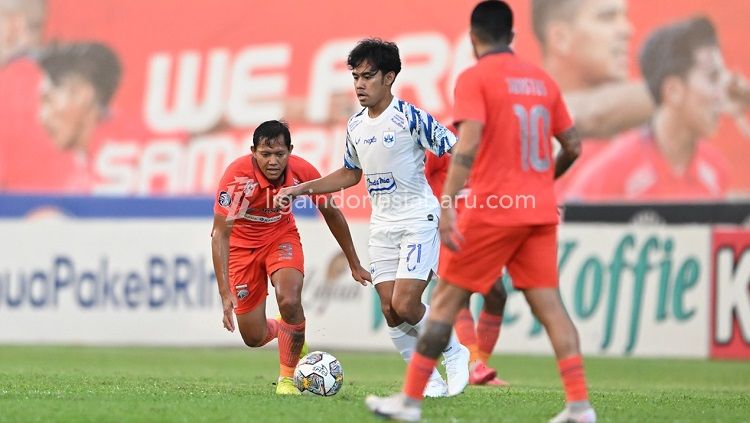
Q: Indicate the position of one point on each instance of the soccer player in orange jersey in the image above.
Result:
(253, 241)
(479, 338)
(506, 111)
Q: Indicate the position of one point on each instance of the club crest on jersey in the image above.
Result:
(250, 187)
(389, 139)
(224, 199)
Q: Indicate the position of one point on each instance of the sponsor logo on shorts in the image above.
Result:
(242, 291)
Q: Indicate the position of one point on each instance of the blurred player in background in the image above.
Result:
(253, 241)
(668, 159)
(386, 141)
(481, 338)
(505, 110)
(22, 138)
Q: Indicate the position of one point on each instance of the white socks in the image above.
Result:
(404, 338)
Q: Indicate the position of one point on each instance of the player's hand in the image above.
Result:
(449, 234)
(284, 197)
(361, 275)
(229, 304)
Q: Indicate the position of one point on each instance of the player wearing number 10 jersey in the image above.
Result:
(506, 111)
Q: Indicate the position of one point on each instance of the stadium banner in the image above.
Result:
(730, 294)
(639, 291)
(185, 82)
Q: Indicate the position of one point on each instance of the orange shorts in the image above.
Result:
(250, 268)
(528, 252)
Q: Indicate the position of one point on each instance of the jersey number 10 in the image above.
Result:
(534, 130)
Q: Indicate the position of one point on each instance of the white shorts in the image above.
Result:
(398, 252)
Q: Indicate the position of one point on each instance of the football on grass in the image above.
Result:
(319, 373)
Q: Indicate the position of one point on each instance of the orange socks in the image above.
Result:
(417, 374)
(464, 327)
(488, 330)
(291, 339)
(573, 378)
(272, 330)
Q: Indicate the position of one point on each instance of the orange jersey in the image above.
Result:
(632, 168)
(436, 170)
(246, 196)
(520, 106)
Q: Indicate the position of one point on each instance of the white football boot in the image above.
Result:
(394, 407)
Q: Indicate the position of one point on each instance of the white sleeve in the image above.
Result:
(351, 159)
(427, 131)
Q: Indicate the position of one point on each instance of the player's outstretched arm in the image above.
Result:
(469, 135)
(340, 179)
(220, 253)
(571, 149)
(607, 110)
(340, 230)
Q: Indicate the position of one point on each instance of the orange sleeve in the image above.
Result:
(436, 170)
(225, 191)
(561, 120)
(469, 104)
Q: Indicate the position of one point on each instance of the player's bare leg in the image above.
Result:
(402, 333)
(256, 330)
(547, 306)
(288, 285)
(446, 302)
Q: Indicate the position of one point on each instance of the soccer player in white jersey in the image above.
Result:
(386, 141)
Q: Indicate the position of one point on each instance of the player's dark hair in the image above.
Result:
(670, 51)
(92, 61)
(381, 55)
(271, 129)
(492, 22)
(544, 11)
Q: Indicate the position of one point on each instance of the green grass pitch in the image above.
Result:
(80, 384)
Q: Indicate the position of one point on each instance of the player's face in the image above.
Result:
(370, 85)
(272, 156)
(600, 39)
(64, 109)
(701, 106)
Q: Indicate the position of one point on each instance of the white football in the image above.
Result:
(319, 373)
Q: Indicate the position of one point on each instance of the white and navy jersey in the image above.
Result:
(390, 150)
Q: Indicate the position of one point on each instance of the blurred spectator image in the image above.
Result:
(22, 139)
(21, 24)
(586, 48)
(79, 82)
(668, 158)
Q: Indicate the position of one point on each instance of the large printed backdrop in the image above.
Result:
(649, 291)
(199, 75)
